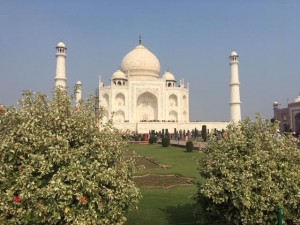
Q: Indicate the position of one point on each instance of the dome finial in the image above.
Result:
(140, 39)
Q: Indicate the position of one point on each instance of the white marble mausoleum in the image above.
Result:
(141, 99)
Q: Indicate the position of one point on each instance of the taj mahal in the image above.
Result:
(141, 99)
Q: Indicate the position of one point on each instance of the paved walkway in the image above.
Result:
(182, 143)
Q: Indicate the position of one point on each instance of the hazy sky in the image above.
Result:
(192, 39)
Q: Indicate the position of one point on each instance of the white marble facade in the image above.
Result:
(139, 99)
(137, 93)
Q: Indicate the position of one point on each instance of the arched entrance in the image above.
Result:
(120, 99)
(147, 107)
(119, 116)
(105, 100)
(173, 101)
(173, 116)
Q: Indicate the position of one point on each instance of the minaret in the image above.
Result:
(78, 93)
(61, 77)
(235, 102)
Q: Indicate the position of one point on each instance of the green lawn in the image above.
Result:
(162, 206)
(179, 161)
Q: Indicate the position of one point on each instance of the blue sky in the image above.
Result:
(192, 39)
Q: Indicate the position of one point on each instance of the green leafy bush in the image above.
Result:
(165, 142)
(58, 168)
(152, 139)
(137, 137)
(248, 174)
(189, 146)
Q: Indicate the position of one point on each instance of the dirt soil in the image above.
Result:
(155, 180)
(147, 163)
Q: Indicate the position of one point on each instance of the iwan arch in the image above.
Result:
(139, 99)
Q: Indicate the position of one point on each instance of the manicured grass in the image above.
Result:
(178, 160)
(162, 206)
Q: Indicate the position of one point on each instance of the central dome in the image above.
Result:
(141, 63)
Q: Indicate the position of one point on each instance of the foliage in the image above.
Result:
(165, 142)
(248, 174)
(152, 139)
(58, 168)
(204, 133)
(189, 146)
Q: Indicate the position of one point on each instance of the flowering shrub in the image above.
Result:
(249, 174)
(17, 199)
(56, 167)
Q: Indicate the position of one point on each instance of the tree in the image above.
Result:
(189, 146)
(58, 168)
(196, 132)
(152, 139)
(165, 142)
(249, 174)
(204, 133)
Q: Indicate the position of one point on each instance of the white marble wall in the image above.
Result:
(145, 127)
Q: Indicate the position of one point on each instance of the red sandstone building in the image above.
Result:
(289, 118)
